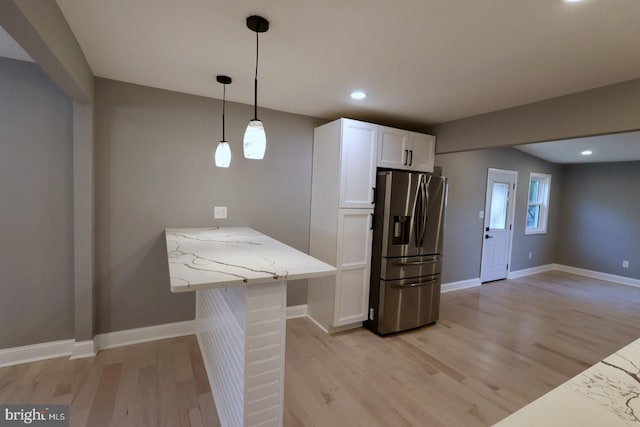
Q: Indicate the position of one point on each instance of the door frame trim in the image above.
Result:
(513, 212)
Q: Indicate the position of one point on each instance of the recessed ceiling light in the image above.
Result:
(572, 1)
(586, 152)
(358, 94)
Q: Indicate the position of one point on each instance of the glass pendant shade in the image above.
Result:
(223, 151)
(223, 155)
(255, 140)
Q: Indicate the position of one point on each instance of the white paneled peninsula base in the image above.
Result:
(240, 279)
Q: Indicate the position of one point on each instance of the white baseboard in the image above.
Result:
(334, 330)
(89, 348)
(462, 284)
(35, 352)
(622, 280)
(296, 311)
(318, 324)
(82, 349)
(529, 271)
(150, 333)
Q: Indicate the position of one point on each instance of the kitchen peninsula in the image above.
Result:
(240, 279)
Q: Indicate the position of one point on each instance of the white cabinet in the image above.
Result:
(354, 256)
(393, 148)
(422, 152)
(357, 164)
(343, 181)
(401, 149)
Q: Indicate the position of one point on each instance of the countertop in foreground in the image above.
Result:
(606, 394)
(201, 258)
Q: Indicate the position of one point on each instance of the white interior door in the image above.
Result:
(498, 224)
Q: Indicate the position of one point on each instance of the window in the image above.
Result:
(499, 201)
(538, 204)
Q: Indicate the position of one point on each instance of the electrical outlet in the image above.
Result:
(481, 214)
(530, 255)
(220, 212)
(625, 264)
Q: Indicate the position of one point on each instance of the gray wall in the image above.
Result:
(154, 169)
(463, 234)
(36, 211)
(599, 220)
(608, 109)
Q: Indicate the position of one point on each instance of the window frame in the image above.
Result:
(544, 181)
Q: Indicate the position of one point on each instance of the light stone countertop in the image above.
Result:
(606, 394)
(201, 258)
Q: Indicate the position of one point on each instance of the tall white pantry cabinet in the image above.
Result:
(344, 173)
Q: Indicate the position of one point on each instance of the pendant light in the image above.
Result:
(255, 139)
(223, 151)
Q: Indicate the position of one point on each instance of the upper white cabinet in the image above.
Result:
(422, 152)
(393, 148)
(401, 149)
(358, 153)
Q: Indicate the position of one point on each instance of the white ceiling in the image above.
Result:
(620, 147)
(10, 49)
(420, 61)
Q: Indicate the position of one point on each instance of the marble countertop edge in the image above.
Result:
(204, 258)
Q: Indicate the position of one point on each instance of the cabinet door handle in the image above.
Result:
(373, 199)
(411, 158)
(406, 157)
(373, 221)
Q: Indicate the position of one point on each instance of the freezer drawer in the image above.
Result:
(407, 304)
(406, 267)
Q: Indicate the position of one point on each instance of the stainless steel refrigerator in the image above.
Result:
(407, 251)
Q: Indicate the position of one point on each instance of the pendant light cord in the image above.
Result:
(224, 101)
(255, 83)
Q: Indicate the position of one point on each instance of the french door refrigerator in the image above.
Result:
(407, 250)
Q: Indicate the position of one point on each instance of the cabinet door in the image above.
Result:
(393, 148)
(354, 266)
(422, 152)
(357, 164)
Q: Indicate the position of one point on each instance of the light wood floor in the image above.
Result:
(159, 383)
(495, 349)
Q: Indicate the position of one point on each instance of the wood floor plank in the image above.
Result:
(168, 392)
(124, 411)
(208, 410)
(182, 361)
(88, 378)
(102, 407)
(199, 374)
(147, 398)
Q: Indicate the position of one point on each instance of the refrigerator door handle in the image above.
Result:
(417, 216)
(425, 189)
(416, 284)
(400, 264)
(422, 202)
